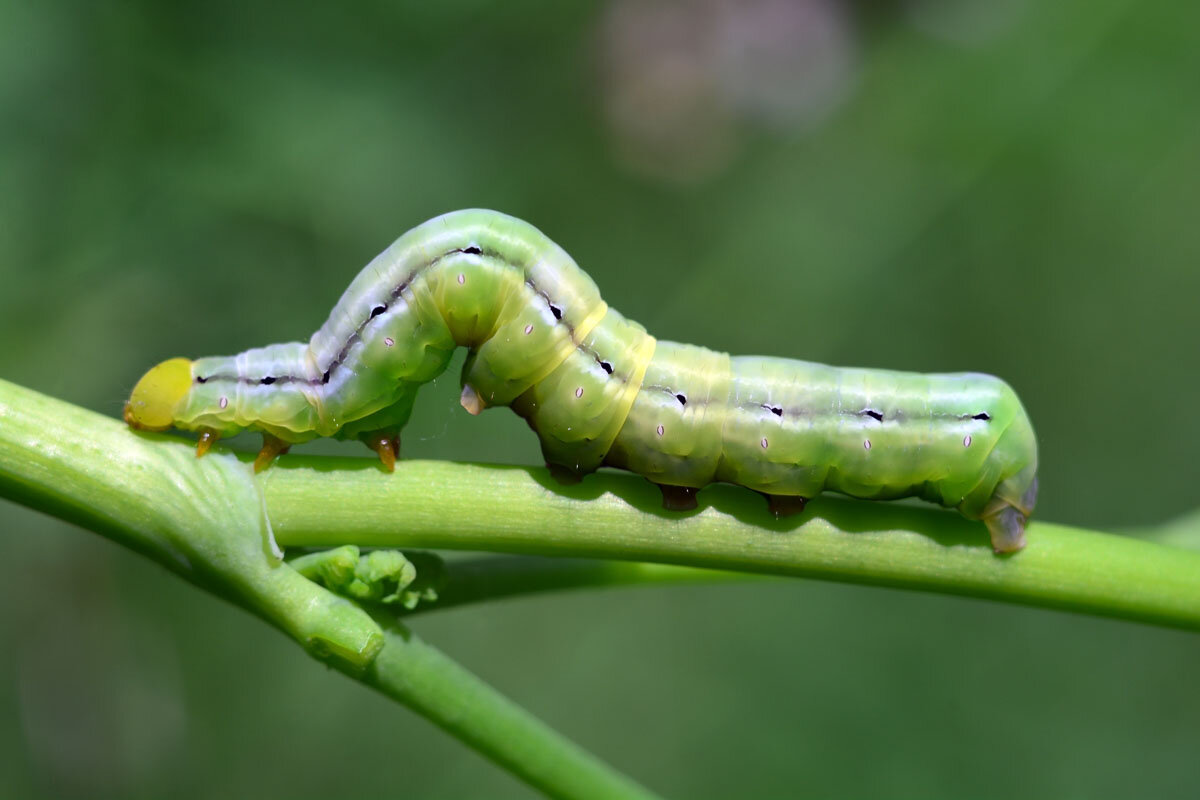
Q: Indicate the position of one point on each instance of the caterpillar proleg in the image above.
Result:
(600, 391)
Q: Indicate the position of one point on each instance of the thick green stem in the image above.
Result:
(325, 502)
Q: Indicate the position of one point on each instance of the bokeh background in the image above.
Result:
(998, 185)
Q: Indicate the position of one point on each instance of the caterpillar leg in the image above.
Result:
(272, 447)
(471, 401)
(1008, 530)
(785, 505)
(678, 498)
(208, 438)
(387, 444)
(1006, 517)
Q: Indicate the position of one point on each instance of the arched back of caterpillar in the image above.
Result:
(600, 391)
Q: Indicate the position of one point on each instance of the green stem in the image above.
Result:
(323, 502)
(474, 580)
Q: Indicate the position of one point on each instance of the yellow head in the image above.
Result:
(151, 407)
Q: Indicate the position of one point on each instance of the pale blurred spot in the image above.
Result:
(965, 22)
(661, 102)
(786, 61)
(684, 82)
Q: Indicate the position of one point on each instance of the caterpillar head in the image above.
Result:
(152, 404)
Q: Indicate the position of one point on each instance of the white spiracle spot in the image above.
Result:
(528, 329)
(579, 392)
(661, 430)
(389, 341)
(224, 402)
(967, 440)
(461, 279)
(764, 443)
(866, 444)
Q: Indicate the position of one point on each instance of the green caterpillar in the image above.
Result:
(600, 391)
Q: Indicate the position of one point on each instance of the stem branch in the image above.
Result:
(474, 580)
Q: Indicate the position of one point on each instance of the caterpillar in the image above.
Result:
(600, 391)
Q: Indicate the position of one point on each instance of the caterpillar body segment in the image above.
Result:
(599, 390)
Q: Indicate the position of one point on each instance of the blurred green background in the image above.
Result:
(936, 185)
